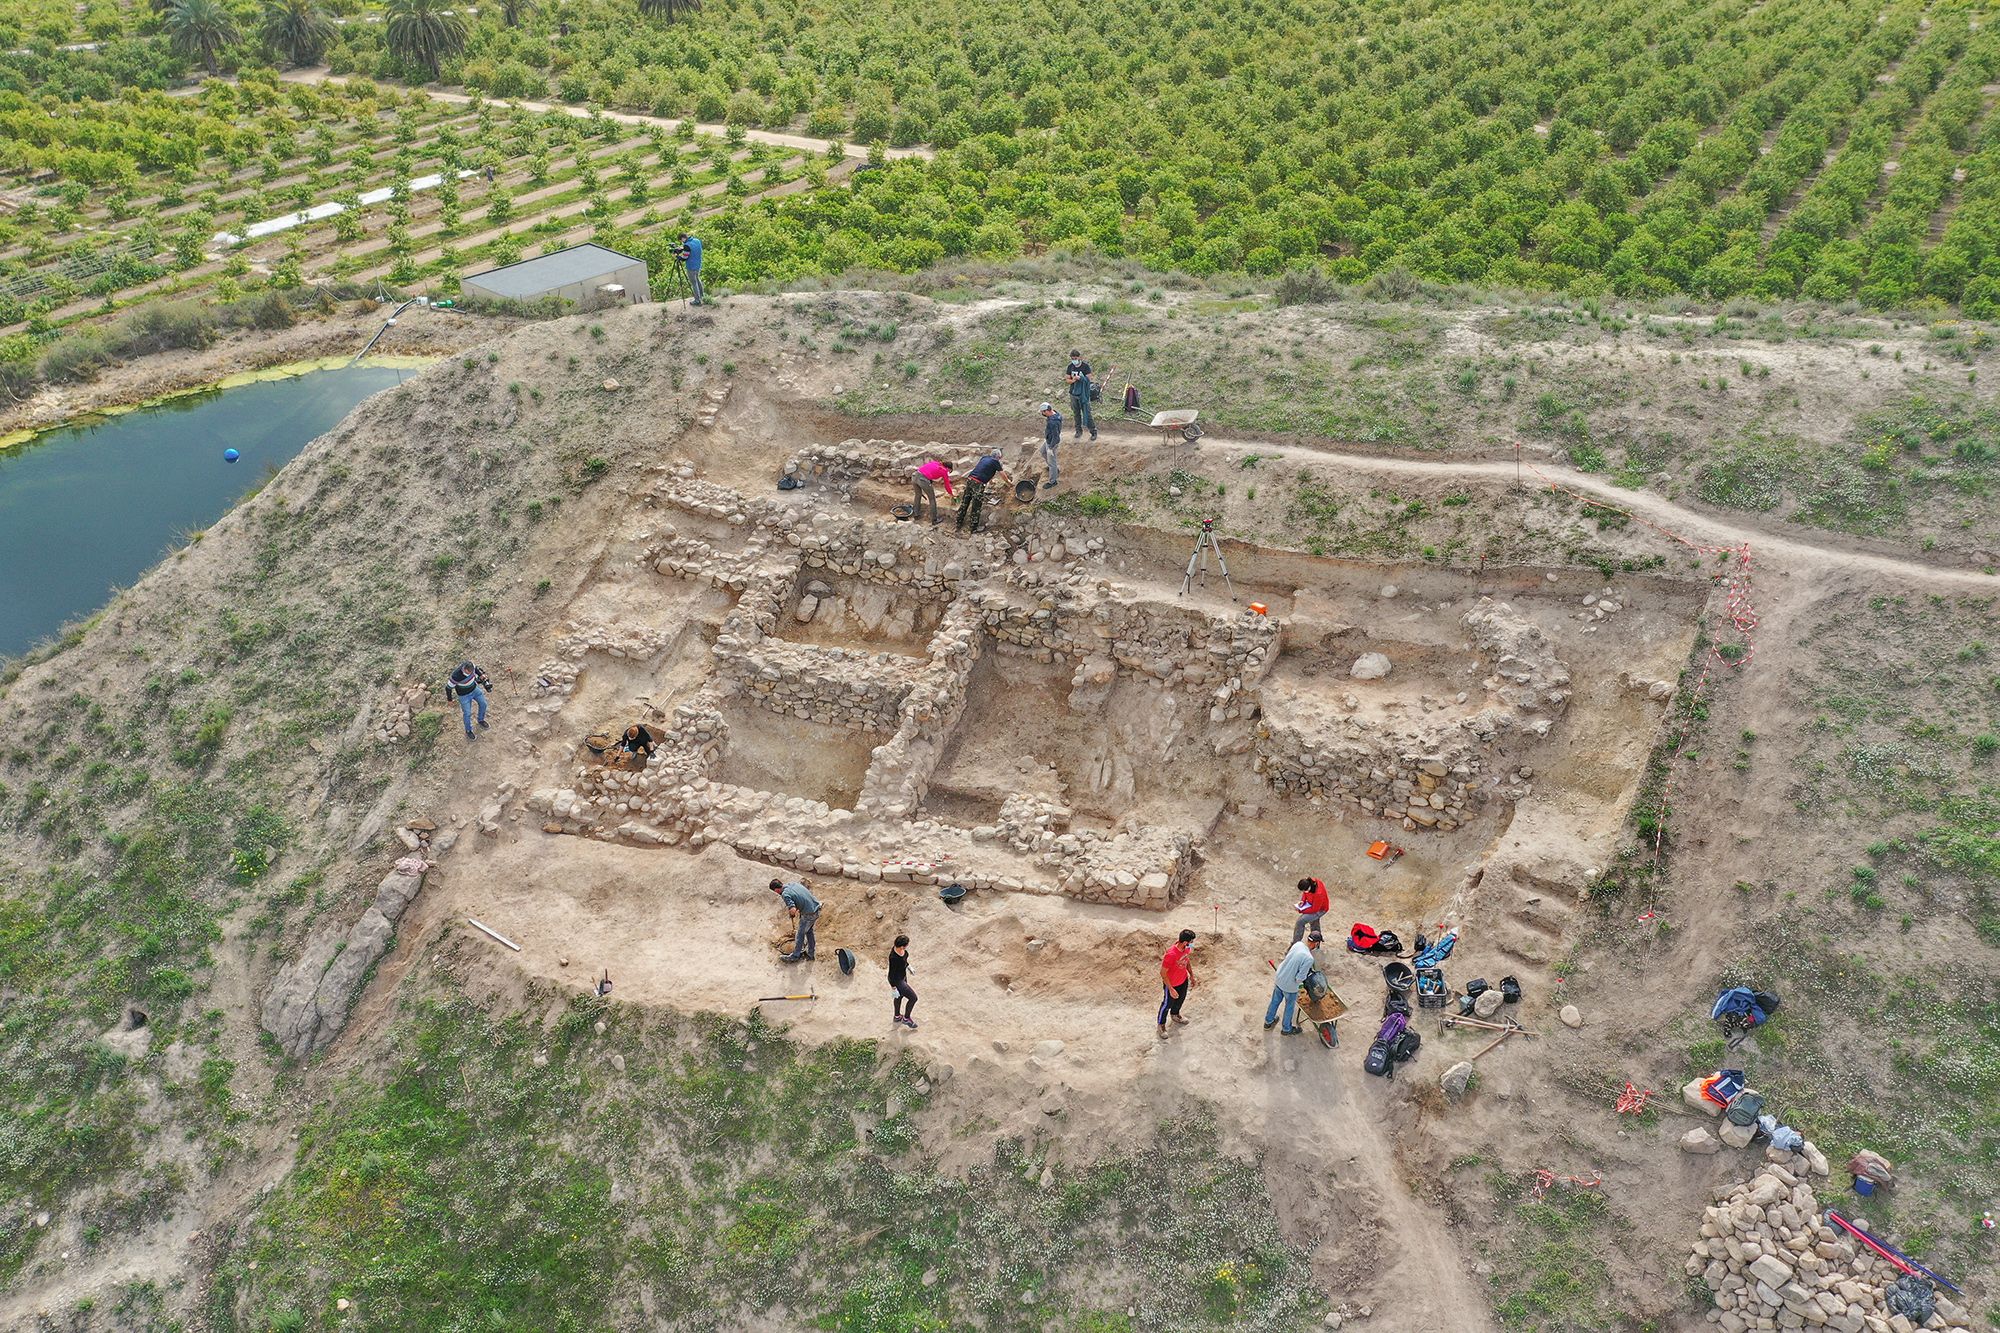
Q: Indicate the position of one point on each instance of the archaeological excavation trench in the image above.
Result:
(1040, 710)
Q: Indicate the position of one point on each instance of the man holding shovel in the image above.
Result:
(804, 908)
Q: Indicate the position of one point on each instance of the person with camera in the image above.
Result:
(467, 685)
(688, 252)
(1077, 372)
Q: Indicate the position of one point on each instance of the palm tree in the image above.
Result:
(666, 9)
(201, 30)
(298, 30)
(513, 11)
(424, 32)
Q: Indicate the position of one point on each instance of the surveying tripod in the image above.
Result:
(1204, 542)
(674, 283)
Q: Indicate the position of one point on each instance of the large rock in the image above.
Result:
(1700, 1141)
(1370, 666)
(1772, 1271)
(1456, 1079)
(1487, 1005)
(309, 998)
(1736, 1136)
(1570, 1017)
(1691, 1094)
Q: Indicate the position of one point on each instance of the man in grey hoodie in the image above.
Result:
(1292, 970)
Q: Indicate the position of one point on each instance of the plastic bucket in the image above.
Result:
(1400, 976)
(1863, 1186)
(952, 893)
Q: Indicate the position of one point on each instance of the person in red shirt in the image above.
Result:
(1313, 904)
(1176, 979)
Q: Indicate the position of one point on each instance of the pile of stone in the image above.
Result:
(404, 706)
(1770, 1261)
(1526, 673)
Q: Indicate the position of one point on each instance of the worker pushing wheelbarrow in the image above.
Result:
(1319, 1005)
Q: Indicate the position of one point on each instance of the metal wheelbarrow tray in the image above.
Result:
(1179, 420)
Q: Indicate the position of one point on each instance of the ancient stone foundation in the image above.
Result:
(801, 576)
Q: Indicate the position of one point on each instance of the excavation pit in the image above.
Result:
(1041, 709)
(841, 612)
(1138, 756)
(793, 756)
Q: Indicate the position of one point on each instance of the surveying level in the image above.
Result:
(1204, 542)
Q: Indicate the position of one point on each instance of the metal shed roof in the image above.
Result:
(546, 273)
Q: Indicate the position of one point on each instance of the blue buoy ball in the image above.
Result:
(230, 455)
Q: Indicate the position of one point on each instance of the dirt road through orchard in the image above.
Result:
(320, 74)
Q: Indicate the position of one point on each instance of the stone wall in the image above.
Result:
(1180, 646)
(1437, 789)
(837, 687)
(900, 773)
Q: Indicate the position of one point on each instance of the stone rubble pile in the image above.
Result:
(1526, 673)
(402, 708)
(1771, 1261)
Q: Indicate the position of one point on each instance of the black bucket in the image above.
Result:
(1400, 976)
(1024, 491)
(952, 893)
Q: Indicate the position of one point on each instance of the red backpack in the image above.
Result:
(1363, 938)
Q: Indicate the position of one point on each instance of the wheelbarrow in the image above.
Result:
(1181, 421)
(1324, 1014)
(1322, 1011)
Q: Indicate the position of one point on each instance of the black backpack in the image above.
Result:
(1377, 1061)
(1405, 1047)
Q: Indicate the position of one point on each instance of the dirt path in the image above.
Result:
(1771, 547)
(320, 74)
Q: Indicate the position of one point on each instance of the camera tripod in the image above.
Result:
(1204, 542)
(674, 283)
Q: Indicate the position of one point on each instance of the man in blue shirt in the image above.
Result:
(973, 502)
(799, 901)
(689, 253)
(1291, 975)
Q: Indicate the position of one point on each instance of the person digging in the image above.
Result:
(1292, 970)
(930, 474)
(804, 909)
(973, 503)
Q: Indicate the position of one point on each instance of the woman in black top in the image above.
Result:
(899, 982)
(638, 740)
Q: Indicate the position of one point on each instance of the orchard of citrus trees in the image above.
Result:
(1716, 148)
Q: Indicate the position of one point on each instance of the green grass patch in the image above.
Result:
(468, 1186)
